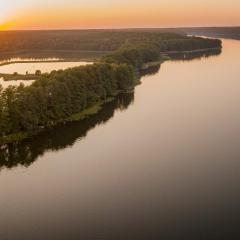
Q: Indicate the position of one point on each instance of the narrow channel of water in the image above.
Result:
(32, 67)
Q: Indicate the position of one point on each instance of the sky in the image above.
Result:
(82, 14)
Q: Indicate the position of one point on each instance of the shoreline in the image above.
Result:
(191, 51)
(31, 76)
(18, 77)
(20, 136)
(49, 61)
(94, 59)
(35, 56)
(89, 111)
(127, 66)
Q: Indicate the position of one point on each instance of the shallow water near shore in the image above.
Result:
(32, 67)
(159, 163)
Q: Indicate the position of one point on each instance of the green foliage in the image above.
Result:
(135, 55)
(221, 32)
(16, 76)
(150, 51)
(61, 94)
(188, 44)
(88, 40)
(38, 73)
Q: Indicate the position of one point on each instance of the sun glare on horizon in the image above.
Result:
(27, 14)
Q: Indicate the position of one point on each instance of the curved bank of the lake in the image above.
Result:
(57, 96)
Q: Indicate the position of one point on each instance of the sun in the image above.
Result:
(6, 25)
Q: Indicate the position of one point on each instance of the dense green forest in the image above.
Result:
(94, 40)
(85, 40)
(61, 95)
(134, 55)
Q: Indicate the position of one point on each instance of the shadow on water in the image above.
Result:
(152, 70)
(189, 56)
(27, 151)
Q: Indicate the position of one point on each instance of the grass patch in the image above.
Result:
(87, 112)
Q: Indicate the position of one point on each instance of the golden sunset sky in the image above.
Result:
(72, 14)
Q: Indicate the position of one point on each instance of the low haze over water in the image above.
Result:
(165, 163)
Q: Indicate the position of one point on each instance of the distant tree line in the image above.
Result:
(139, 54)
(189, 44)
(219, 32)
(95, 40)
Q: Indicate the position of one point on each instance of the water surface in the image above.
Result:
(160, 163)
(6, 84)
(32, 67)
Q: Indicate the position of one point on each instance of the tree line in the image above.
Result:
(60, 94)
(94, 40)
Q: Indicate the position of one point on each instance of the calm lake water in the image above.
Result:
(6, 84)
(160, 163)
(31, 67)
(44, 67)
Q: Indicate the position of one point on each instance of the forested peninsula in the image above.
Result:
(72, 94)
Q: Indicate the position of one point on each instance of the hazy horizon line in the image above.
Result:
(116, 28)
